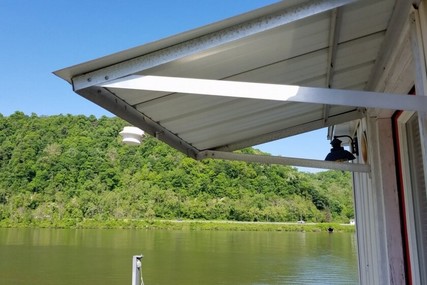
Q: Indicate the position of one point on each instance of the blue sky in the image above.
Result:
(39, 37)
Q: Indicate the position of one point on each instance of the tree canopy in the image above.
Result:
(75, 167)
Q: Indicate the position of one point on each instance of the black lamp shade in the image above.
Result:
(338, 153)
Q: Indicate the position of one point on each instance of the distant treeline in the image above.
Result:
(72, 168)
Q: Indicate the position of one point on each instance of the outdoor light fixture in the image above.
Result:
(338, 153)
(132, 135)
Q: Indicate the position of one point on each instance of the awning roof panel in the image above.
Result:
(261, 51)
(364, 18)
(303, 52)
(303, 70)
(358, 52)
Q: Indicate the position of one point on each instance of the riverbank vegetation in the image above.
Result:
(72, 171)
(179, 225)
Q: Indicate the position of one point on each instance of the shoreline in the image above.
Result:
(192, 225)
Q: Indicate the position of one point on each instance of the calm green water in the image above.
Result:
(45, 256)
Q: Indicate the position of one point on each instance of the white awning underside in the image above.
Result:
(333, 45)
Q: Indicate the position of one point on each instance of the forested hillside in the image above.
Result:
(74, 167)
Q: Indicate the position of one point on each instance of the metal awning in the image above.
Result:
(229, 85)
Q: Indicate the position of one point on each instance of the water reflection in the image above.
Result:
(176, 257)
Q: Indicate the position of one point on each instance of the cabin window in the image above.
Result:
(415, 195)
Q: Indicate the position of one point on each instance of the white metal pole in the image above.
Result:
(137, 270)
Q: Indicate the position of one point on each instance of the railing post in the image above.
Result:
(137, 270)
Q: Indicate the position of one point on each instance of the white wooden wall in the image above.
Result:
(378, 222)
(377, 210)
(380, 244)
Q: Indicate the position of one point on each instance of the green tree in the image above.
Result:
(70, 168)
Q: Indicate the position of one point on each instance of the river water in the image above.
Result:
(52, 256)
